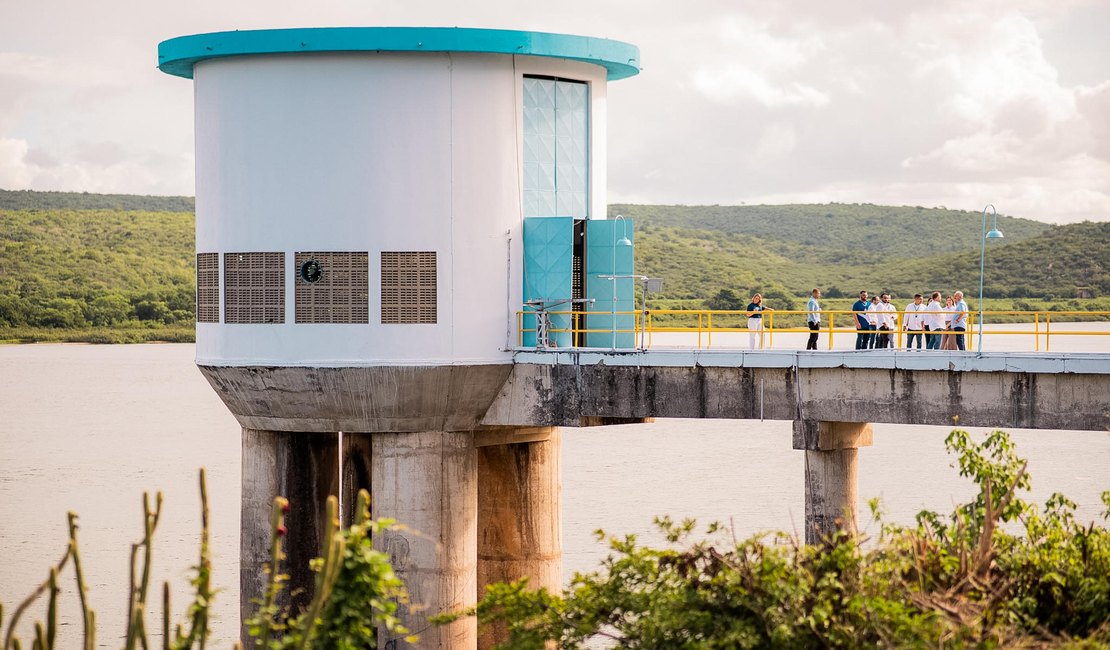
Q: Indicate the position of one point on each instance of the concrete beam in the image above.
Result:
(565, 395)
(374, 398)
(817, 435)
(304, 468)
(427, 481)
(519, 518)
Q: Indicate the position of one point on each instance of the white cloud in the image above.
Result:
(977, 152)
(1079, 190)
(777, 141)
(724, 84)
(751, 62)
(108, 168)
(15, 172)
(900, 102)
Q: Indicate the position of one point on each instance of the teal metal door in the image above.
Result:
(548, 275)
(607, 326)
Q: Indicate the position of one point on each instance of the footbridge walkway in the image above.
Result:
(831, 397)
(1002, 389)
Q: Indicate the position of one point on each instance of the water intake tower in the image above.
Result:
(374, 206)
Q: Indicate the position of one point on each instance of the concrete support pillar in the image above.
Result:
(519, 520)
(831, 474)
(304, 468)
(427, 481)
(356, 464)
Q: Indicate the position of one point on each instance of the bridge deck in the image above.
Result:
(1023, 362)
(1025, 390)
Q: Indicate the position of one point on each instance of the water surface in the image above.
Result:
(89, 428)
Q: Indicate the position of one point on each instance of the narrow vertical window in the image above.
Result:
(556, 148)
(254, 287)
(208, 287)
(409, 287)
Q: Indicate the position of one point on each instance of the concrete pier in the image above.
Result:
(519, 489)
(356, 464)
(427, 481)
(830, 474)
(304, 468)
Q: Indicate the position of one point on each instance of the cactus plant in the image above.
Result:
(351, 578)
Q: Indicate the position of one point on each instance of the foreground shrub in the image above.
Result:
(356, 590)
(962, 580)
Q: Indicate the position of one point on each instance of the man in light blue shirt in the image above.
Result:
(813, 319)
(959, 319)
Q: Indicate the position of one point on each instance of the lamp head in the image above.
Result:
(995, 233)
(625, 241)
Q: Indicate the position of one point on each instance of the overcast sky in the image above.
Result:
(954, 103)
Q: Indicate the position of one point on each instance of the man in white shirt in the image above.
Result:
(959, 319)
(872, 322)
(914, 321)
(934, 321)
(887, 320)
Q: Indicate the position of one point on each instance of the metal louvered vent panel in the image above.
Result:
(254, 287)
(208, 287)
(409, 287)
(340, 295)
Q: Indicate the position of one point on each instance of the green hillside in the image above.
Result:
(80, 269)
(1060, 263)
(838, 233)
(748, 248)
(73, 269)
(32, 200)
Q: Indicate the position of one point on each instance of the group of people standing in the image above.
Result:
(876, 321)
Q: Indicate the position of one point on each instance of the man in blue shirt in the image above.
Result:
(959, 319)
(863, 326)
(813, 319)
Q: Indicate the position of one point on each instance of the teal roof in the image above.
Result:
(178, 55)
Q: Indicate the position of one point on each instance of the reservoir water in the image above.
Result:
(89, 428)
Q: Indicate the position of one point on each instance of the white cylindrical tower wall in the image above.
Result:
(375, 152)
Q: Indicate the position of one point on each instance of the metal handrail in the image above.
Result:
(701, 322)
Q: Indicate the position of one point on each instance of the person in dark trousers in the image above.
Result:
(913, 321)
(886, 318)
(959, 318)
(863, 326)
(934, 321)
(873, 322)
(813, 319)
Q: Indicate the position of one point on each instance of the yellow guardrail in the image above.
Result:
(700, 321)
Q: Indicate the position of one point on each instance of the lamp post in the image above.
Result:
(995, 233)
(623, 241)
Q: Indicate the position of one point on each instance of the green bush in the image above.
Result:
(356, 590)
(949, 581)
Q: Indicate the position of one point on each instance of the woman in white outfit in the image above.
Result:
(755, 321)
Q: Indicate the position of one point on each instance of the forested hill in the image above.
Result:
(68, 263)
(32, 200)
(1062, 262)
(838, 232)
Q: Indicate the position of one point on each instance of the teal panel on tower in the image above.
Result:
(606, 256)
(548, 272)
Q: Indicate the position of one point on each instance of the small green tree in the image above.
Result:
(725, 300)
